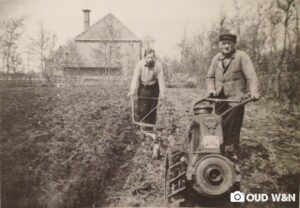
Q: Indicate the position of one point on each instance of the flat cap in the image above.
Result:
(228, 36)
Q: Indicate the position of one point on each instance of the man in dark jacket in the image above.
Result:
(230, 75)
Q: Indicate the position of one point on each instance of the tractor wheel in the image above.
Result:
(215, 175)
(175, 177)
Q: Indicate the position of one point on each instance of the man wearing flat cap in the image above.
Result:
(231, 76)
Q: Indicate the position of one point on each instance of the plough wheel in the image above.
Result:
(175, 178)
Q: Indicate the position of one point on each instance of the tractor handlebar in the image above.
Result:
(217, 100)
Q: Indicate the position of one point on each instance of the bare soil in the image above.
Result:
(76, 147)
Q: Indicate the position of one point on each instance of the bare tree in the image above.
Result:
(222, 20)
(274, 18)
(286, 6)
(238, 19)
(11, 31)
(43, 46)
(148, 41)
(111, 47)
(297, 22)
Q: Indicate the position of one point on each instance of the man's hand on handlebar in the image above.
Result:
(212, 94)
(255, 97)
(245, 97)
(130, 94)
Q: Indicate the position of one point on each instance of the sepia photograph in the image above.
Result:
(149, 103)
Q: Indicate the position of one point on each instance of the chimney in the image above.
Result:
(86, 13)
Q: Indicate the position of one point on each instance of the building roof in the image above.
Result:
(107, 28)
(86, 50)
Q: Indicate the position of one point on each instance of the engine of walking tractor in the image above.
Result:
(209, 171)
(206, 166)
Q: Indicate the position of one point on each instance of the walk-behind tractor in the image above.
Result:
(206, 168)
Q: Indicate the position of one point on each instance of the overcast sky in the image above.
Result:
(164, 20)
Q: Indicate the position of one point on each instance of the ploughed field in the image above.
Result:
(76, 147)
